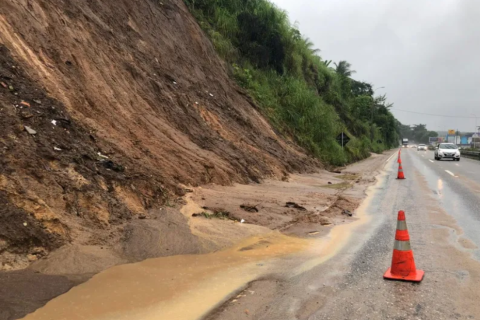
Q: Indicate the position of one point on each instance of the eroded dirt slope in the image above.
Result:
(140, 104)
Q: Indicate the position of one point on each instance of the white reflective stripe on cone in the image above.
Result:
(401, 225)
(402, 245)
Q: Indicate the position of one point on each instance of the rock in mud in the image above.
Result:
(30, 130)
(112, 165)
(249, 208)
(32, 257)
(294, 205)
(26, 114)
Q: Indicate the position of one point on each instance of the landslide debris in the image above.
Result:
(57, 181)
(106, 113)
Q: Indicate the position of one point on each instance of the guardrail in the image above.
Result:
(471, 154)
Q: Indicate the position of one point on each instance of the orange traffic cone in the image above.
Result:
(400, 172)
(399, 158)
(403, 264)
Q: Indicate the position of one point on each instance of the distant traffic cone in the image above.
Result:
(403, 264)
(399, 158)
(400, 176)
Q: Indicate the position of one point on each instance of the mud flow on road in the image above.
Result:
(442, 213)
(338, 276)
(191, 286)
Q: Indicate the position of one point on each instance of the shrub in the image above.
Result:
(302, 96)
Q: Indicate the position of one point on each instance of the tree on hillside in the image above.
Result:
(344, 68)
(309, 46)
(304, 96)
(260, 40)
(405, 131)
(417, 133)
(361, 88)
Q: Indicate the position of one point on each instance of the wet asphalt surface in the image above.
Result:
(375, 298)
(351, 284)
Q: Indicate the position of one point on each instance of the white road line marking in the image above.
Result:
(450, 173)
(430, 160)
(390, 157)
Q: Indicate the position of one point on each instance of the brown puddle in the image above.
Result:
(178, 287)
(187, 287)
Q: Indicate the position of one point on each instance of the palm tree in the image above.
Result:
(343, 68)
(309, 46)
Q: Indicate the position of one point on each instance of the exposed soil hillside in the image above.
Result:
(128, 103)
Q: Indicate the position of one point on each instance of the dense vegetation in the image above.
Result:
(304, 97)
(417, 133)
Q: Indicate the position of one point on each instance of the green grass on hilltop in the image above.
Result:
(302, 95)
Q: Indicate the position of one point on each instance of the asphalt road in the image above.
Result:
(466, 167)
(442, 204)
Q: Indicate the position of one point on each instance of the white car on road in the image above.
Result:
(447, 151)
(422, 147)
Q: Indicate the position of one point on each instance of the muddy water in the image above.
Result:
(187, 287)
(339, 236)
(179, 287)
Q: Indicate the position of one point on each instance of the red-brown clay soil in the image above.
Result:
(130, 107)
(141, 103)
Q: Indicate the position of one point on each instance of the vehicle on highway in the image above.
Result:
(421, 147)
(447, 151)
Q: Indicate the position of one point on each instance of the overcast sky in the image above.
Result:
(426, 53)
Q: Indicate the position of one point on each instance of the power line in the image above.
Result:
(435, 115)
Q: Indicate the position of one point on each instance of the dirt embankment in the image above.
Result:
(306, 206)
(124, 102)
(109, 113)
